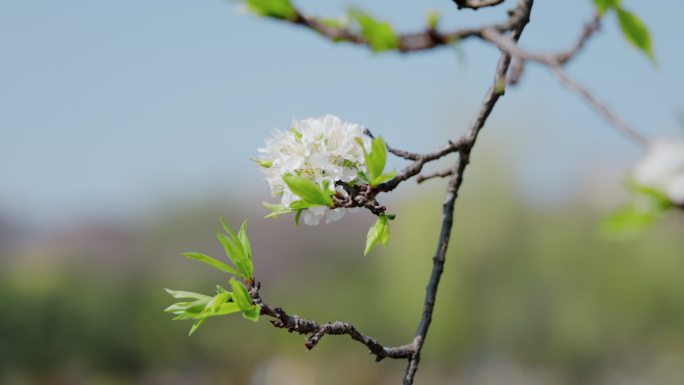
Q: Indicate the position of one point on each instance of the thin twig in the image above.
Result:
(316, 331)
(623, 127)
(408, 42)
(559, 58)
(477, 4)
(587, 32)
(553, 62)
(522, 13)
(400, 153)
(438, 174)
(415, 168)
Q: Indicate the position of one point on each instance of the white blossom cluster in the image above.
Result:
(319, 149)
(663, 169)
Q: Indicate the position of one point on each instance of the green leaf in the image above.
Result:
(263, 163)
(216, 302)
(309, 191)
(187, 294)
(253, 313)
(223, 309)
(279, 9)
(380, 35)
(432, 20)
(375, 161)
(377, 234)
(182, 307)
(226, 308)
(235, 252)
(378, 157)
(196, 326)
(296, 133)
(298, 214)
(276, 209)
(363, 175)
(635, 31)
(211, 261)
(657, 198)
(628, 221)
(384, 178)
(604, 5)
(244, 240)
(241, 297)
(203, 307)
(301, 205)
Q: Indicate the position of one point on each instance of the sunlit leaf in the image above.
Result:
(432, 20)
(604, 5)
(380, 35)
(196, 326)
(187, 294)
(632, 219)
(244, 240)
(264, 163)
(211, 261)
(628, 221)
(236, 252)
(375, 161)
(253, 313)
(276, 209)
(279, 9)
(217, 301)
(636, 32)
(377, 234)
(241, 295)
(298, 215)
(308, 190)
(244, 301)
(384, 178)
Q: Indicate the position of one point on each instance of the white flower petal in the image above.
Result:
(662, 169)
(675, 190)
(664, 161)
(319, 149)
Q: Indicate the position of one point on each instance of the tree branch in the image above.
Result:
(414, 168)
(620, 124)
(587, 32)
(316, 331)
(519, 17)
(521, 13)
(438, 174)
(409, 42)
(477, 4)
(554, 63)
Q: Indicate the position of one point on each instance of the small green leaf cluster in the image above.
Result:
(279, 9)
(380, 35)
(646, 208)
(375, 163)
(201, 307)
(378, 233)
(633, 29)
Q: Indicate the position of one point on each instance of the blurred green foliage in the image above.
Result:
(531, 291)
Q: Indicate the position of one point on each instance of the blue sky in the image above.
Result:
(108, 107)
